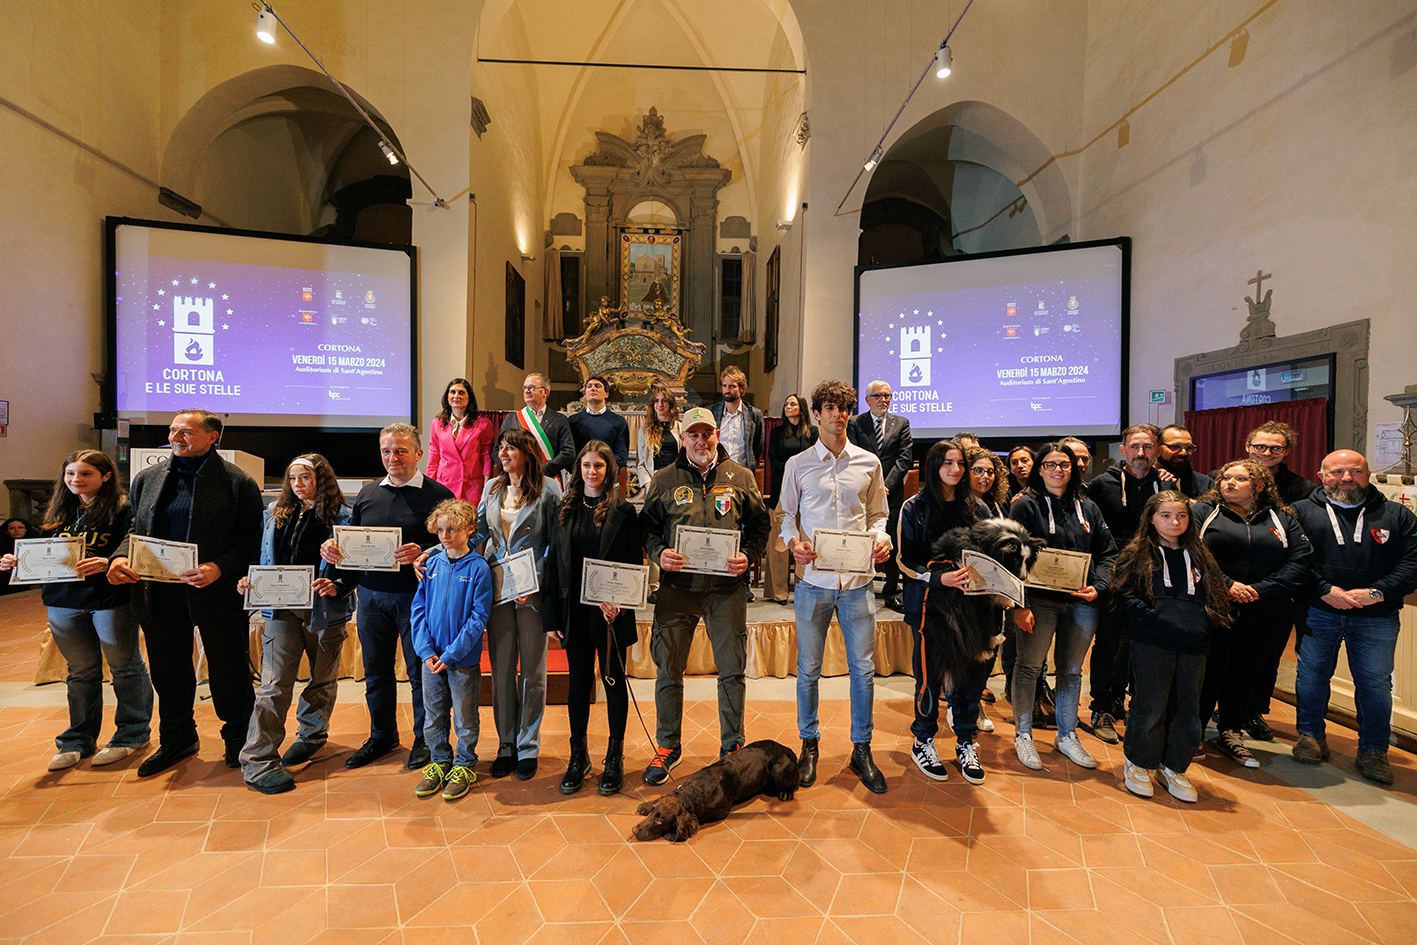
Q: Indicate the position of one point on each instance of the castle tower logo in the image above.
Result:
(915, 357)
(193, 331)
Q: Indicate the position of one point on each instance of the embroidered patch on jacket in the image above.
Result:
(1380, 535)
(723, 503)
(683, 495)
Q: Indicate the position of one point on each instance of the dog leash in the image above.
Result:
(625, 675)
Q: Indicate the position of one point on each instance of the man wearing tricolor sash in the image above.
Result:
(548, 428)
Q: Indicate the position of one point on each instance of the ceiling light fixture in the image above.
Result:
(266, 24)
(1238, 47)
(941, 62)
(267, 17)
(944, 62)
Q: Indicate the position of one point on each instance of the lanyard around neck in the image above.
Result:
(1338, 533)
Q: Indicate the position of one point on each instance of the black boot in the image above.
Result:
(578, 768)
(614, 773)
(865, 767)
(807, 763)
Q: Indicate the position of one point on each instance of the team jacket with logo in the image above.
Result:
(727, 497)
(1384, 556)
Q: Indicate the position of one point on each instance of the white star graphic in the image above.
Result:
(225, 297)
(228, 311)
(225, 327)
(161, 322)
(154, 306)
(174, 281)
(917, 311)
(211, 285)
(161, 291)
(194, 280)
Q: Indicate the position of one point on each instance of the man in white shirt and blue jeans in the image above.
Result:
(839, 486)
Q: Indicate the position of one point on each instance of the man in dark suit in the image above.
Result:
(740, 425)
(548, 428)
(197, 497)
(888, 436)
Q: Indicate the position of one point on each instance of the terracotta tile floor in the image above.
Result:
(1061, 856)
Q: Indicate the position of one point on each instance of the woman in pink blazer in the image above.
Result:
(460, 445)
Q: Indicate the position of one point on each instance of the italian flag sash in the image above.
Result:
(527, 418)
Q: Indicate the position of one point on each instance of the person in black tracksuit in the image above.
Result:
(1264, 555)
(1120, 492)
(1174, 596)
(1364, 564)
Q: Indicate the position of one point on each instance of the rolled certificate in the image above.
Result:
(367, 547)
(706, 550)
(155, 559)
(842, 552)
(515, 576)
(47, 560)
(1059, 570)
(988, 576)
(610, 582)
(280, 587)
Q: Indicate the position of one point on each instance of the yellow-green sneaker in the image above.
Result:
(460, 781)
(434, 775)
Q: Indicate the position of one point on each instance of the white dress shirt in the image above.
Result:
(415, 482)
(845, 492)
(731, 433)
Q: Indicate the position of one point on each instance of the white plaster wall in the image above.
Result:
(1298, 161)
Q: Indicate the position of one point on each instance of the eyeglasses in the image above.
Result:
(1257, 448)
(1186, 448)
(1063, 466)
(528, 388)
(983, 470)
(878, 396)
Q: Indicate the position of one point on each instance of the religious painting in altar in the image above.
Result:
(650, 268)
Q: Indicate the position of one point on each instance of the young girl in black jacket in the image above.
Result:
(1175, 596)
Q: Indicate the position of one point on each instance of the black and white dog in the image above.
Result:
(959, 629)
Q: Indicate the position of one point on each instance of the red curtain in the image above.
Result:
(1220, 433)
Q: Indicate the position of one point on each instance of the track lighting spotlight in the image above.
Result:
(1238, 47)
(876, 156)
(266, 25)
(388, 152)
(1124, 133)
(944, 62)
(784, 224)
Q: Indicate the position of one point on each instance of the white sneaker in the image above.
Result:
(1179, 786)
(1027, 754)
(64, 759)
(1137, 780)
(927, 759)
(1071, 747)
(967, 756)
(113, 753)
(985, 723)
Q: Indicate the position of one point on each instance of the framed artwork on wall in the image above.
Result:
(772, 285)
(516, 318)
(650, 268)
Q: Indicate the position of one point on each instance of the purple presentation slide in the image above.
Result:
(1028, 358)
(261, 340)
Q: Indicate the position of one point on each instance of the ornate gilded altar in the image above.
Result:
(635, 349)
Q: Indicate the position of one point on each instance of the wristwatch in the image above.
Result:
(1374, 594)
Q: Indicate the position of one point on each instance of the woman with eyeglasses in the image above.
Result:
(989, 489)
(792, 436)
(943, 502)
(1264, 554)
(1054, 508)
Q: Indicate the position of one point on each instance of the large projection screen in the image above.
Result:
(1023, 344)
(263, 330)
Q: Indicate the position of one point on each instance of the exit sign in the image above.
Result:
(1160, 397)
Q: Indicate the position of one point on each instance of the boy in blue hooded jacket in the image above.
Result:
(449, 615)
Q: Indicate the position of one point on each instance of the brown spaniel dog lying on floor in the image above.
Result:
(708, 795)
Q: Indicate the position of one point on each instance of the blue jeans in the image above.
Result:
(1371, 643)
(1069, 626)
(856, 612)
(383, 625)
(456, 692)
(86, 638)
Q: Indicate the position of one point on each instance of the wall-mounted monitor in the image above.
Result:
(1020, 344)
(266, 330)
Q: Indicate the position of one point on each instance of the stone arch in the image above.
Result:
(970, 164)
(278, 148)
